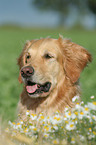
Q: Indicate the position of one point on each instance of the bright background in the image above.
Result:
(21, 20)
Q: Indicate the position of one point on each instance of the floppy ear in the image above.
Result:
(75, 58)
(20, 59)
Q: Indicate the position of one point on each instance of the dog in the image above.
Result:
(50, 70)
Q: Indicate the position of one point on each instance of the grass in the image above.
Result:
(11, 43)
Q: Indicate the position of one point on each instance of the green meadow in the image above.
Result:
(12, 41)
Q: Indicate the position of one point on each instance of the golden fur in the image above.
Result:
(63, 70)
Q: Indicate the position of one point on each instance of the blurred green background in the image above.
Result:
(12, 40)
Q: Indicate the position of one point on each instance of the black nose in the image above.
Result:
(27, 71)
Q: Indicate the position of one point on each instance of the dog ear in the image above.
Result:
(20, 59)
(75, 58)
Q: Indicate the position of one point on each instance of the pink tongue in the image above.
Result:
(31, 89)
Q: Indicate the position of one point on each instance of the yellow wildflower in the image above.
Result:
(94, 132)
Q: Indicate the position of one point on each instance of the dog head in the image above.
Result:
(45, 63)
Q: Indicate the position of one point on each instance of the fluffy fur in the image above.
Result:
(62, 69)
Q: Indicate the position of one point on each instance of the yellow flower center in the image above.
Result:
(66, 121)
(42, 117)
(25, 130)
(93, 117)
(94, 103)
(45, 135)
(47, 128)
(72, 139)
(57, 118)
(86, 109)
(76, 113)
(94, 132)
(69, 113)
(77, 103)
(18, 123)
(71, 125)
(55, 142)
(35, 129)
(33, 115)
(90, 129)
(81, 113)
(13, 123)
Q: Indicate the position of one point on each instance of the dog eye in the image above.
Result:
(27, 58)
(48, 56)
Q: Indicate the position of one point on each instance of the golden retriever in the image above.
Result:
(50, 69)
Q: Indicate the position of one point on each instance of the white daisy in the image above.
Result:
(70, 126)
(75, 98)
(92, 105)
(33, 116)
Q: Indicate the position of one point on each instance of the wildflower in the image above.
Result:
(75, 121)
(73, 116)
(41, 117)
(65, 117)
(46, 128)
(90, 129)
(94, 132)
(66, 122)
(81, 115)
(66, 108)
(73, 140)
(92, 105)
(82, 138)
(33, 128)
(86, 109)
(68, 114)
(27, 112)
(91, 122)
(94, 117)
(13, 124)
(56, 141)
(49, 126)
(70, 126)
(92, 97)
(21, 121)
(78, 106)
(33, 116)
(46, 135)
(81, 103)
(89, 117)
(91, 136)
(75, 98)
(25, 130)
(57, 112)
(55, 127)
(57, 119)
(18, 126)
(76, 113)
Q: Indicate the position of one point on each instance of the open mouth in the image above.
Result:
(34, 88)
